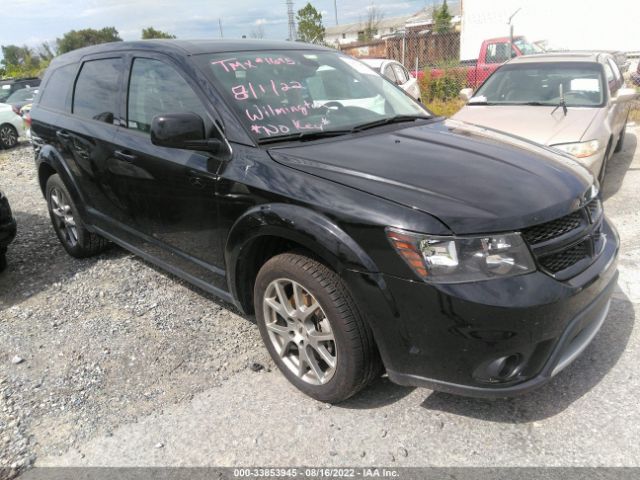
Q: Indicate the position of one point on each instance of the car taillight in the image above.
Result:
(27, 119)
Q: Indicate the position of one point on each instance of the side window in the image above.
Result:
(608, 73)
(402, 79)
(497, 53)
(97, 88)
(388, 72)
(156, 88)
(57, 92)
(616, 73)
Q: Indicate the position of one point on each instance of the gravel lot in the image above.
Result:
(109, 361)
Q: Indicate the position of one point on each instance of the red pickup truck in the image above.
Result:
(493, 53)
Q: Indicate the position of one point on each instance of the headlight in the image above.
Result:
(580, 149)
(438, 259)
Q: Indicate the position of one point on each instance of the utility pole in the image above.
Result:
(335, 9)
(220, 23)
(292, 22)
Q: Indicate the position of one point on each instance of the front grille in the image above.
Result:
(566, 258)
(553, 229)
(561, 244)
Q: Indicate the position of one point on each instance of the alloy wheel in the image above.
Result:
(8, 136)
(300, 331)
(63, 216)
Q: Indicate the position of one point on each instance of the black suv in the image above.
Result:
(362, 231)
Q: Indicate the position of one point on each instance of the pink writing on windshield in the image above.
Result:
(273, 129)
(257, 90)
(233, 64)
(260, 112)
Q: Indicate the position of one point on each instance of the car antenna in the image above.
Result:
(562, 103)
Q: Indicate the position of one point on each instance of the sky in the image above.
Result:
(32, 22)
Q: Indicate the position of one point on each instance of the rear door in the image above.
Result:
(86, 135)
(171, 192)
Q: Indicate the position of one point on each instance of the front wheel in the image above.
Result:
(312, 328)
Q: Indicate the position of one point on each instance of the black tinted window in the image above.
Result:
(96, 93)
(57, 94)
(156, 88)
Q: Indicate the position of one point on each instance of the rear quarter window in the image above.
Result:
(97, 90)
(57, 92)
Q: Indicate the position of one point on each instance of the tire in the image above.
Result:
(333, 331)
(3, 260)
(8, 136)
(620, 143)
(73, 235)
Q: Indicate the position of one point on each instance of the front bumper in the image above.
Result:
(448, 337)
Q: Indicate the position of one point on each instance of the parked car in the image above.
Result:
(493, 53)
(9, 86)
(575, 102)
(458, 258)
(395, 72)
(10, 126)
(20, 98)
(7, 229)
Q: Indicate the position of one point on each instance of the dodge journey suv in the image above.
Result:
(362, 231)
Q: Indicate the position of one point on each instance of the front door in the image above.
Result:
(171, 192)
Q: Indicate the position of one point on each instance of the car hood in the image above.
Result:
(472, 179)
(537, 123)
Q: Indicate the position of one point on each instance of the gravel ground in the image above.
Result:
(108, 361)
(101, 341)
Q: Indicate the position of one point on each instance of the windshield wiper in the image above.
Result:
(303, 136)
(388, 121)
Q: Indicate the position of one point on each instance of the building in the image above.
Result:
(354, 32)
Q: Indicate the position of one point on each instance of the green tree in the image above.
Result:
(442, 18)
(83, 38)
(310, 28)
(20, 61)
(149, 33)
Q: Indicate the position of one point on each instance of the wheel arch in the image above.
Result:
(49, 163)
(268, 230)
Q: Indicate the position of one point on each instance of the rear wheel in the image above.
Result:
(74, 236)
(312, 328)
(8, 136)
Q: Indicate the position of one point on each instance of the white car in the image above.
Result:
(11, 126)
(395, 72)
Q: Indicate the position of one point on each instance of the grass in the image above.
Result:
(446, 108)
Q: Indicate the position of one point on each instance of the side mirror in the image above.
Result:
(466, 94)
(183, 130)
(624, 95)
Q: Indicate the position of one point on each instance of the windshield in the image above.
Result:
(525, 47)
(24, 94)
(539, 84)
(278, 93)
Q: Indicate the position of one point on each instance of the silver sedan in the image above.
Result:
(575, 102)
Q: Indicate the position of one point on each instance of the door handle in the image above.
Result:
(61, 134)
(127, 157)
